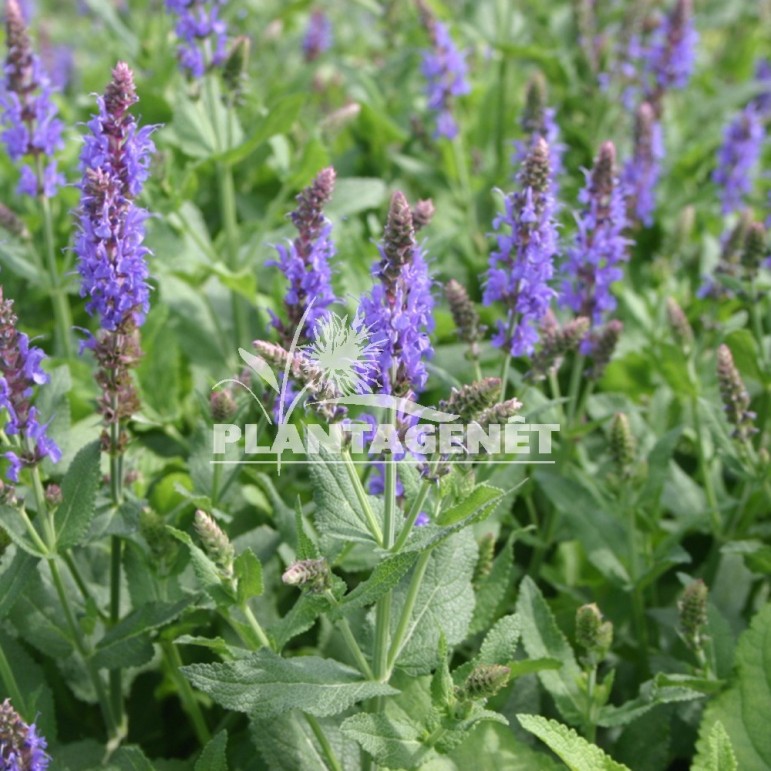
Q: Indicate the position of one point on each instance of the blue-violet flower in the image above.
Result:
(202, 34)
(641, 172)
(318, 36)
(21, 747)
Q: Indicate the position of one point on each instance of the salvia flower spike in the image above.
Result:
(20, 372)
(444, 68)
(202, 34)
(311, 574)
(521, 266)
(593, 634)
(21, 746)
(733, 392)
(215, 542)
(679, 324)
(599, 247)
(623, 446)
(30, 127)
(399, 309)
(305, 261)
(641, 172)
(693, 613)
(556, 341)
(465, 316)
(318, 36)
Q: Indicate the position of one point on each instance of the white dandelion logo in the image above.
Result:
(344, 354)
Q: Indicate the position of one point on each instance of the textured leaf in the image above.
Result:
(265, 685)
(444, 603)
(14, 527)
(213, 757)
(501, 642)
(337, 515)
(13, 579)
(492, 589)
(248, 571)
(743, 708)
(719, 754)
(130, 759)
(577, 753)
(542, 638)
(79, 487)
(392, 742)
(383, 578)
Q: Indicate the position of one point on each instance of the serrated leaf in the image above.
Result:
(265, 685)
(392, 742)
(130, 759)
(337, 517)
(214, 757)
(127, 644)
(492, 589)
(248, 571)
(719, 754)
(79, 487)
(542, 638)
(383, 578)
(743, 708)
(12, 523)
(306, 547)
(577, 753)
(13, 579)
(482, 495)
(500, 643)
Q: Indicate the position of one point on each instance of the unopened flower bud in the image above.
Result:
(53, 495)
(556, 341)
(623, 447)
(499, 413)
(736, 399)
(312, 575)
(398, 238)
(422, 214)
(464, 314)
(535, 173)
(693, 612)
(223, 406)
(604, 345)
(593, 634)
(216, 544)
(237, 65)
(755, 251)
(678, 322)
(469, 400)
(535, 104)
(163, 545)
(485, 681)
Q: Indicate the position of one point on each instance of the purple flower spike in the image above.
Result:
(641, 171)
(202, 34)
(318, 36)
(399, 310)
(763, 77)
(21, 748)
(20, 372)
(114, 161)
(599, 246)
(738, 158)
(30, 126)
(522, 265)
(444, 68)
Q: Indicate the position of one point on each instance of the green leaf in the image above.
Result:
(265, 685)
(213, 757)
(356, 194)
(659, 460)
(501, 642)
(306, 547)
(205, 570)
(743, 708)
(492, 589)
(248, 570)
(12, 523)
(542, 638)
(744, 349)
(337, 516)
(130, 759)
(383, 578)
(127, 644)
(79, 487)
(444, 603)
(577, 753)
(13, 579)
(392, 742)
(480, 496)
(719, 754)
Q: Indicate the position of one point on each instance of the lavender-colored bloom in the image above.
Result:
(318, 36)
(762, 101)
(738, 156)
(672, 51)
(305, 261)
(444, 68)
(538, 120)
(30, 126)
(422, 519)
(399, 309)
(20, 372)
(21, 747)
(599, 246)
(522, 265)
(114, 161)
(202, 34)
(641, 172)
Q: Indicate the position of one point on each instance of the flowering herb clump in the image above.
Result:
(522, 265)
(446, 74)
(21, 747)
(202, 33)
(31, 128)
(399, 309)
(20, 372)
(599, 247)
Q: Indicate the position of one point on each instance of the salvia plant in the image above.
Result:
(384, 385)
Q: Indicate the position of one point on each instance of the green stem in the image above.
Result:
(362, 499)
(575, 386)
(332, 762)
(350, 640)
(709, 488)
(591, 724)
(61, 306)
(256, 627)
(416, 505)
(409, 606)
(638, 603)
(477, 369)
(12, 687)
(507, 360)
(556, 394)
(185, 692)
